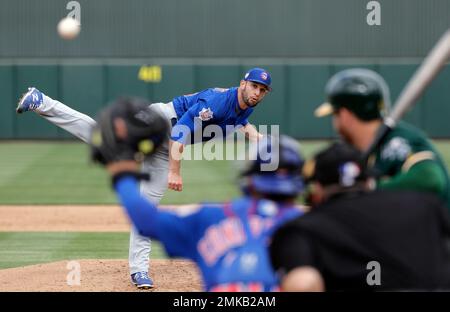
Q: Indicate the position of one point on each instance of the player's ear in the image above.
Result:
(242, 84)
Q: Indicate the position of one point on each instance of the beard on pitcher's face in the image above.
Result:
(253, 93)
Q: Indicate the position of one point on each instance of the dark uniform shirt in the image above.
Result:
(404, 232)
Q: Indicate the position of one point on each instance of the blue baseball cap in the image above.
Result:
(284, 153)
(259, 75)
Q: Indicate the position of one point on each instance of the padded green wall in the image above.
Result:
(297, 91)
(46, 78)
(6, 107)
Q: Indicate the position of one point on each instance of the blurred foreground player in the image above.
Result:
(405, 160)
(361, 240)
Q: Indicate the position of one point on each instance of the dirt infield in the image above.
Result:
(92, 218)
(99, 276)
(96, 275)
(63, 219)
(82, 218)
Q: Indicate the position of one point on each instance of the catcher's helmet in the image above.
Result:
(275, 168)
(361, 91)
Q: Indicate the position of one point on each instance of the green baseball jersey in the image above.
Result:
(406, 159)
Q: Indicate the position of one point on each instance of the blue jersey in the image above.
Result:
(215, 106)
(228, 241)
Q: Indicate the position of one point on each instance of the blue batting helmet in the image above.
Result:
(275, 168)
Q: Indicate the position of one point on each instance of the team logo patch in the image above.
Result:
(398, 148)
(268, 208)
(264, 76)
(205, 114)
(348, 173)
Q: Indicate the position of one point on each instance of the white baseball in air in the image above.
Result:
(68, 28)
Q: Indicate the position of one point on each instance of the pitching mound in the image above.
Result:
(99, 276)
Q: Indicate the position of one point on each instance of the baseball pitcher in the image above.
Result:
(215, 106)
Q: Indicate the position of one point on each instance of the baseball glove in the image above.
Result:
(127, 130)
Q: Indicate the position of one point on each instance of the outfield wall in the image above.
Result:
(297, 89)
(219, 28)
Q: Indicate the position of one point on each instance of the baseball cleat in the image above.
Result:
(30, 101)
(142, 280)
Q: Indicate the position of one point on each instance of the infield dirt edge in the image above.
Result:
(99, 276)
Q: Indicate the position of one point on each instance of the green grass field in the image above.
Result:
(26, 248)
(60, 173)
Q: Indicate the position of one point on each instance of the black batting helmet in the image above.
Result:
(361, 91)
